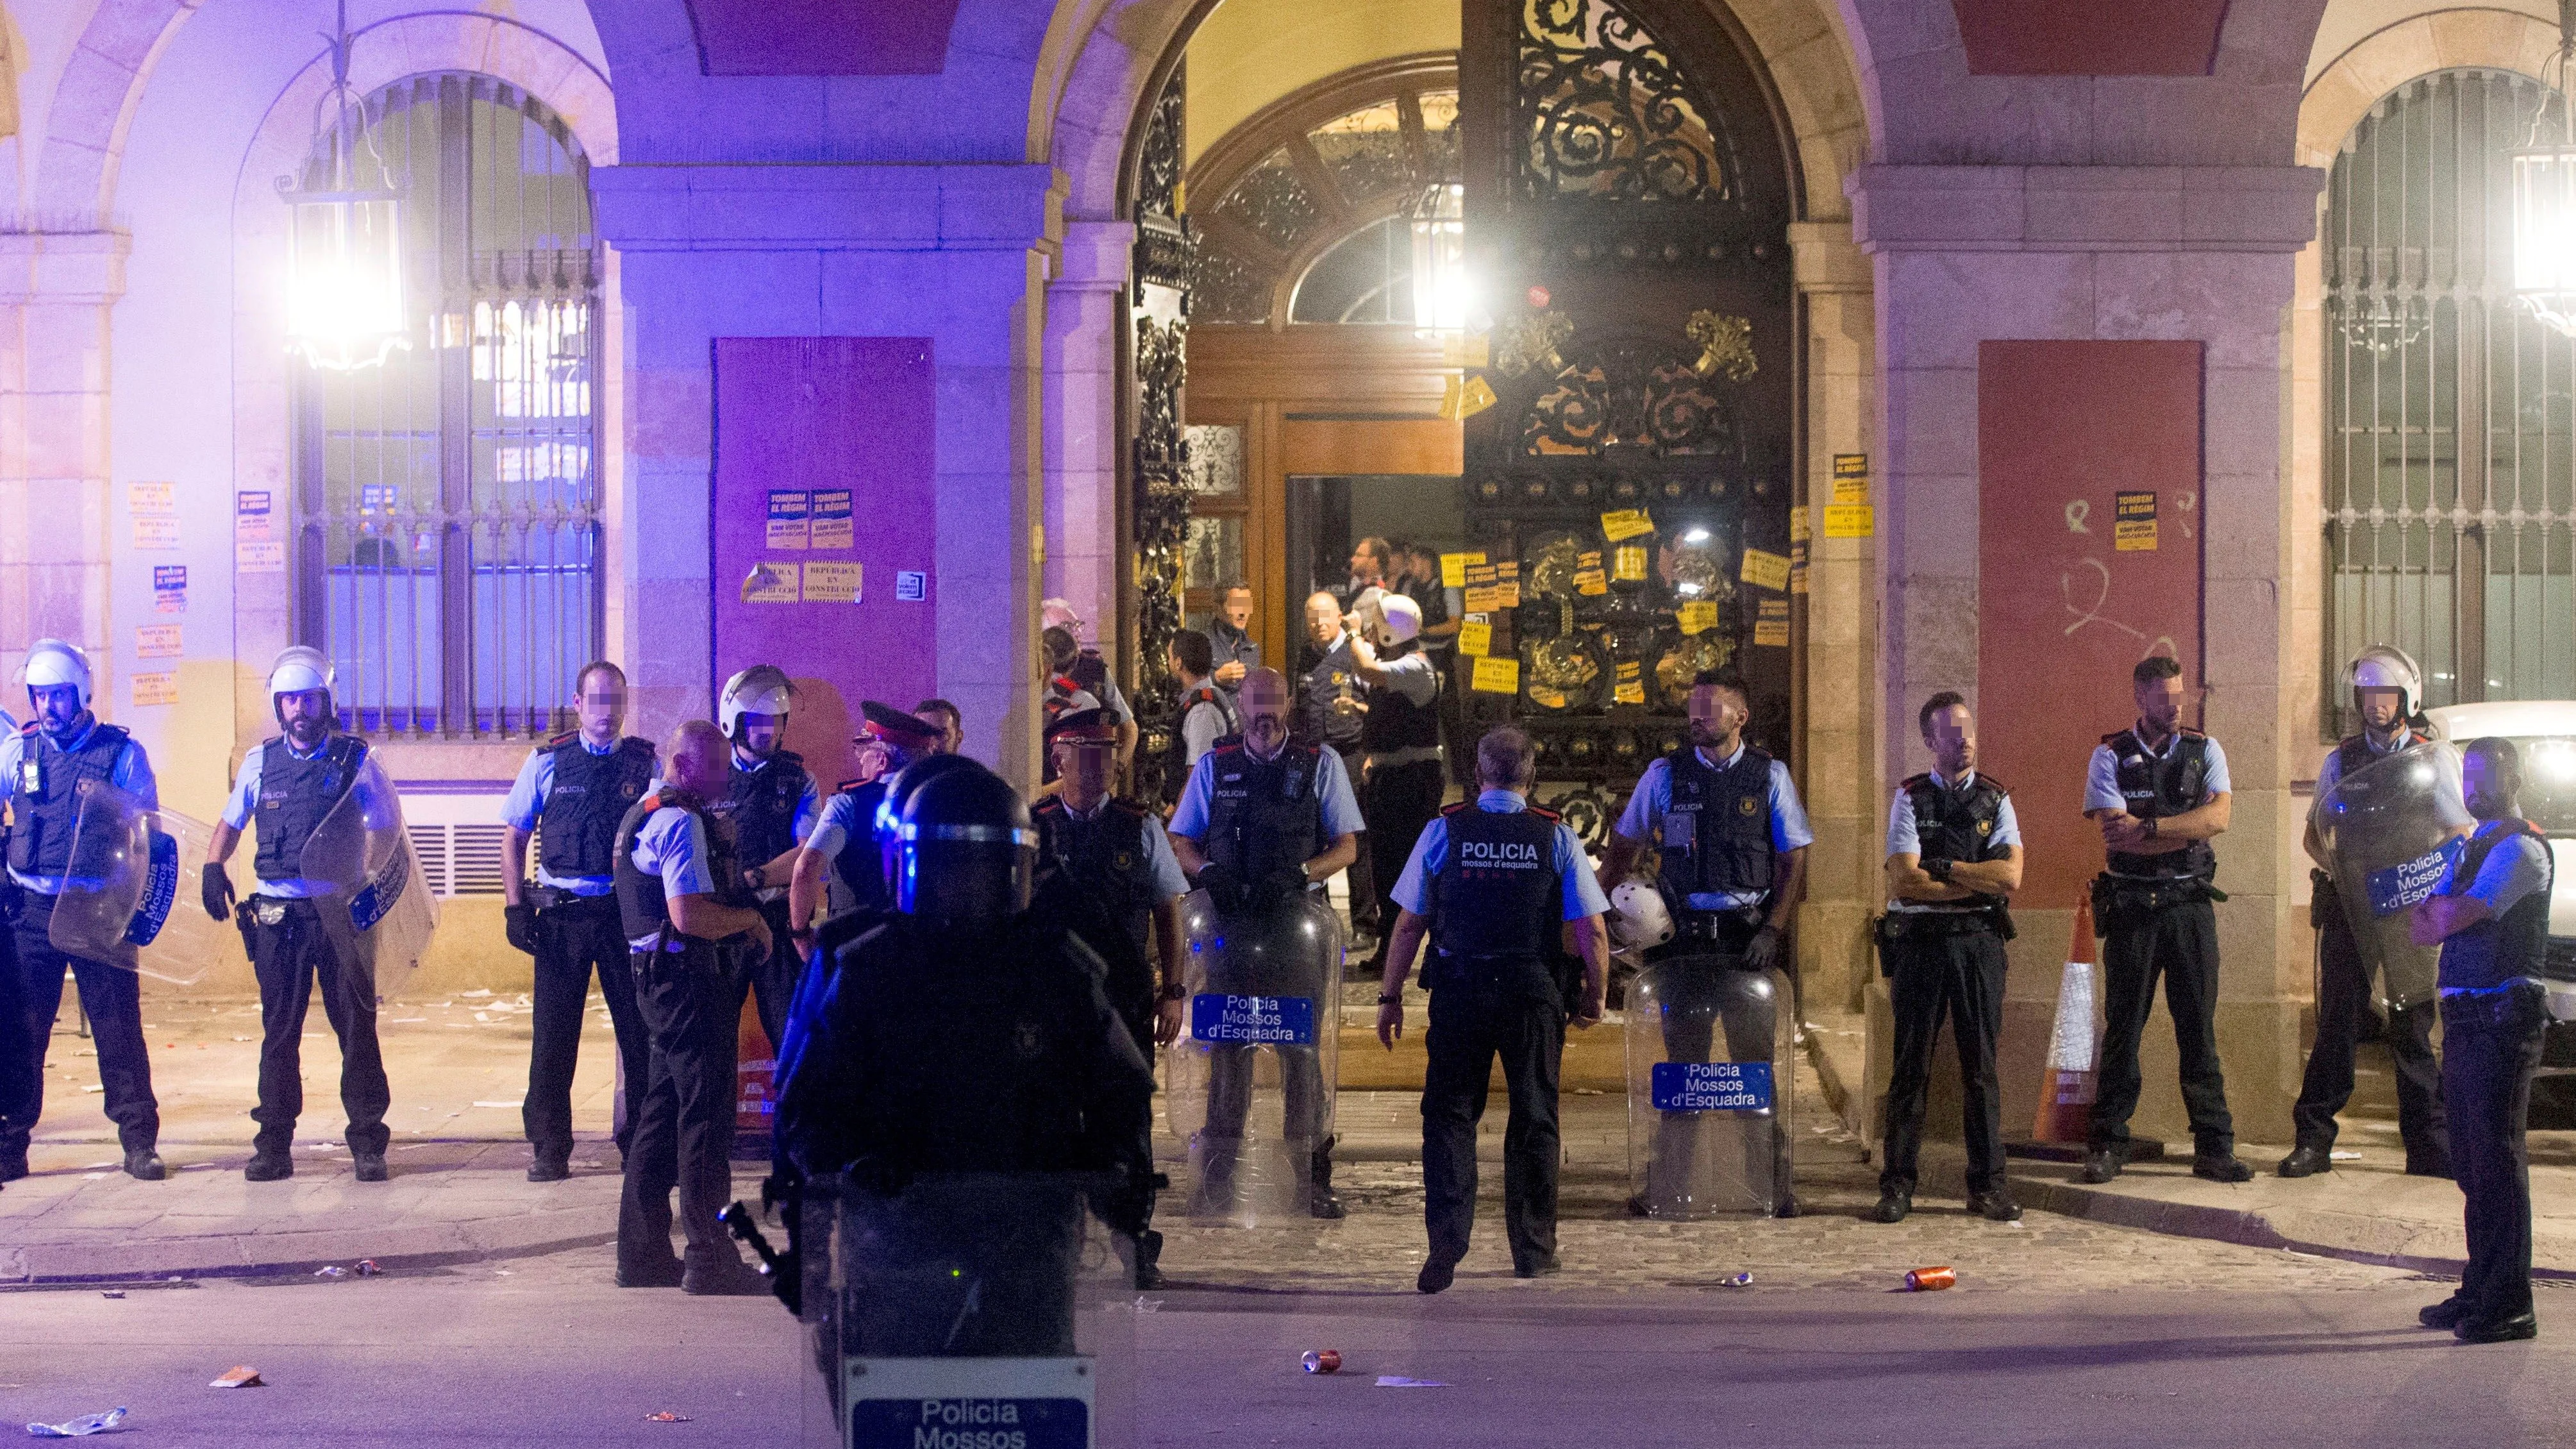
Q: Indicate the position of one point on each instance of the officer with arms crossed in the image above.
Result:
(2491, 917)
(2159, 790)
(1260, 821)
(1732, 839)
(290, 785)
(1399, 737)
(843, 842)
(1107, 867)
(578, 786)
(1230, 642)
(678, 897)
(1953, 862)
(772, 804)
(43, 765)
(1491, 881)
(2385, 689)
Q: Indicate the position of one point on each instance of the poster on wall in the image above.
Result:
(170, 588)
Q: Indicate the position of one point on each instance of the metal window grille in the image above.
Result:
(447, 502)
(2450, 447)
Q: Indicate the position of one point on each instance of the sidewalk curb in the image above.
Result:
(264, 1255)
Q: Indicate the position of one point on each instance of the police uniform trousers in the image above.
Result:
(2343, 1005)
(684, 1129)
(21, 1069)
(2179, 943)
(1402, 799)
(115, 1007)
(2491, 1041)
(1360, 877)
(1474, 1021)
(770, 981)
(576, 935)
(1955, 968)
(288, 956)
(1697, 1005)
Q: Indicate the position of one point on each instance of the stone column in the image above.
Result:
(56, 506)
(1084, 315)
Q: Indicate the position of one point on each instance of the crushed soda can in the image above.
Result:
(240, 1377)
(1323, 1361)
(1736, 1280)
(667, 1416)
(331, 1270)
(80, 1428)
(111, 1293)
(367, 1268)
(1926, 1280)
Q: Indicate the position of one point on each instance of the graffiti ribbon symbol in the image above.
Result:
(2160, 644)
(2076, 513)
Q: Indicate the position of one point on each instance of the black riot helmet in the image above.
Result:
(965, 849)
(887, 826)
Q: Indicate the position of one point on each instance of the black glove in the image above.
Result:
(519, 923)
(1224, 888)
(218, 890)
(13, 898)
(1283, 885)
(1763, 950)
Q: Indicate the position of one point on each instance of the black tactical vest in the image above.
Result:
(1176, 755)
(590, 795)
(1957, 825)
(642, 908)
(295, 794)
(1397, 723)
(1717, 827)
(1108, 877)
(861, 861)
(1495, 905)
(1327, 681)
(2355, 753)
(44, 799)
(1264, 816)
(2154, 787)
(2496, 950)
(762, 806)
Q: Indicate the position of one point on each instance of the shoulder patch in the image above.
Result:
(2112, 740)
(1543, 813)
(567, 737)
(1913, 782)
(1051, 805)
(1461, 805)
(846, 786)
(2000, 787)
(2187, 732)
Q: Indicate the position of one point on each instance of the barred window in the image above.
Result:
(2450, 436)
(447, 502)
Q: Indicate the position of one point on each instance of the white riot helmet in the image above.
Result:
(761, 689)
(299, 667)
(1392, 619)
(2385, 666)
(1638, 916)
(52, 663)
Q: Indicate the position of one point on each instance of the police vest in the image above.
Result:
(44, 799)
(642, 908)
(1264, 816)
(1317, 720)
(1496, 902)
(1717, 826)
(1176, 755)
(295, 794)
(2355, 753)
(861, 861)
(590, 795)
(1397, 723)
(762, 806)
(1107, 877)
(2160, 787)
(1957, 826)
(2496, 950)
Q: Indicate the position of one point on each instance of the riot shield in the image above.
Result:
(967, 1309)
(130, 891)
(1249, 1085)
(2390, 831)
(1709, 1083)
(377, 909)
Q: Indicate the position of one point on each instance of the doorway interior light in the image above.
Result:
(1441, 295)
(2544, 197)
(344, 300)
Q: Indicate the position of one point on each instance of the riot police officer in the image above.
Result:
(2491, 917)
(2160, 791)
(771, 803)
(2386, 689)
(1107, 867)
(1953, 862)
(1733, 841)
(842, 845)
(290, 784)
(1400, 767)
(679, 901)
(1262, 820)
(1491, 881)
(579, 785)
(44, 765)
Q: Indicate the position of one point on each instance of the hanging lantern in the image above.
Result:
(344, 299)
(2544, 199)
(1441, 295)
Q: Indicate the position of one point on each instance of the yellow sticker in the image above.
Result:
(156, 641)
(1475, 639)
(1464, 398)
(158, 687)
(1465, 349)
(1766, 570)
(1453, 568)
(1798, 567)
(1800, 529)
(1851, 465)
(1628, 563)
(832, 581)
(1551, 698)
(1850, 520)
(2134, 530)
(1506, 596)
(1591, 582)
(1496, 676)
(1771, 627)
(1626, 523)
(1483, 600)
(1698, 616)
(1848, 491)
(771, 582)
(1632, 692)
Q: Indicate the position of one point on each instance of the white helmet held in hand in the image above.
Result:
(52, 663)
(1391, 619)
(761, 689)
(1638, 917)
(2385, 666)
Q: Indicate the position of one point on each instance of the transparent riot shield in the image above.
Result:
(130, 893)
(1709, 1083)
(2390, 831)
(977, 1309)
(1249, 1085)
(378, 910)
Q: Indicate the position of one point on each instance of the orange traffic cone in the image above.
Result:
(2066, 1089)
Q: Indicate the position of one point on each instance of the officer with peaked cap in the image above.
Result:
(290, 784)
(43, 766)
(842, 844)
